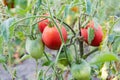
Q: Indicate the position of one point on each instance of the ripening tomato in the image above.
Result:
(35, 47)
(51, 37)
(42, 25)
(81, 71)
(98, 34)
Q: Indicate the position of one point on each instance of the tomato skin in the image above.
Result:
(81, 71)
(35, 47)
(42, 25)
(97, 32)
(51, 37)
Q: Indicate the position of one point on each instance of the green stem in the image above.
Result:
(61, 37)
(80, 42)
(37, 68)
(47, 71)
(111, 28)
(46, 56)
(66, 25)
(91, 52)
(27, 18)
(38, 21)
(8, 69)
(76, 54)
(52, 65)
(58, 53)
(62, 77)
(67, 55)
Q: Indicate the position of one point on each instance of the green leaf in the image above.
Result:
(25, 57)
(40, 75)
(116, 44)
(5, 28)
(90, 35)
(103, 57)
(46, 63)
(66, 11)
(1, 43)
(111, 38)
(21, 3)
(39, 2)
(2, 59)
(96, 24)
(61, 10)
(88, 7)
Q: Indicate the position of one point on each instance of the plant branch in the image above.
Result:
(91, 52)
(80, 42)
(66, 25)
(64, 47)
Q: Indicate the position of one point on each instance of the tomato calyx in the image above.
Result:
(51, 24)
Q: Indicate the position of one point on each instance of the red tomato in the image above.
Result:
(97, 32)
(51, 37)
(43, 24)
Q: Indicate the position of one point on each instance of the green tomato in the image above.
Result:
(62, 58)
(35, 47)
(81, 71)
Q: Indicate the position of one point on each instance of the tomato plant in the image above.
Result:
(55, 33)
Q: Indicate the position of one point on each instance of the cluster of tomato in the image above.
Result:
(50, 37)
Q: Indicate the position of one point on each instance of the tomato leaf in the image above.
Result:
(111, 38)
(104, 57)
(46, 63)
(88, 6)
(21, 3)
(90, 35)
(2, 59)
(116, 44)
(25, 57)
(61, 10)
(40, 75)
(66, 11)
(5, 28)
(96, 24)
(1, 43)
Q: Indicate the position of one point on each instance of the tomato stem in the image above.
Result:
(27, 18)
(52, 18)
(66, 25)
(59, 53)
(91, 52)
(52, 65)
(80, 42)
(37, 68)
(76, 54)
(64, 47)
